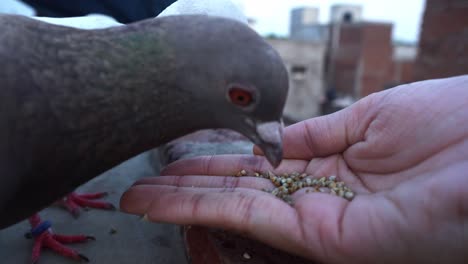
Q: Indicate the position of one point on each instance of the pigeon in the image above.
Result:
(16, 7)
(75, 103)
(43, 235)
(90, 21)
(222, 8)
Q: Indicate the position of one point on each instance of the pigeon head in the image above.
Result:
(236, 75)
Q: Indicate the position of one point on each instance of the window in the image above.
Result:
(347, 17)
(298, 72)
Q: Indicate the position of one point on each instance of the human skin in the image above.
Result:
(404, 151)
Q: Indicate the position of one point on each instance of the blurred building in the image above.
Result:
(359, 55)
(302, 18)
(304, 25)
(333, 65)
(443, 43)
(304, 62)
(362, 57)
(359, 58)
(346, 13)
(303, 52)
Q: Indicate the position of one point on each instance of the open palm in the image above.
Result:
(404, 151)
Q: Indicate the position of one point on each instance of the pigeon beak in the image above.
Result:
(271, 141)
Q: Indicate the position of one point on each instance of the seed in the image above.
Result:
(246, 255)
(241, 173)
(324, 189)
(349, 195)
(286, 184)
(288, 199)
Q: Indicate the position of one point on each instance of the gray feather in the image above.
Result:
(75, 103)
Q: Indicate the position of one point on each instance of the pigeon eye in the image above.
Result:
(240, 96)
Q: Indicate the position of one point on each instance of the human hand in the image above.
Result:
(404, 151)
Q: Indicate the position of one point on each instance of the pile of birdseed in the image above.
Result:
(288, 183)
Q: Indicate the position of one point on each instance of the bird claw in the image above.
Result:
(73, 201)
(44, 238)
(83, 257)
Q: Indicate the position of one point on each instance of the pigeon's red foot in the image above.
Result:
(44, 238)
(73, 201)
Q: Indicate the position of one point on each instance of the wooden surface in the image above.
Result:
(205, 245)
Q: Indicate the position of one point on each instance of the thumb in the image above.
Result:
(329, 134)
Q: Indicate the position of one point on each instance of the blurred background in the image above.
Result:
(336, 52)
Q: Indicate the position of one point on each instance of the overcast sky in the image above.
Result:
(272, 16)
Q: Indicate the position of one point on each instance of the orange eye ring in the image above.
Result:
(240, 97)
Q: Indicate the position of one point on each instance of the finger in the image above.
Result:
(139, 199)
(254, 213)
(229, 165)
(226, 182)
(330, 134)
(208, 182)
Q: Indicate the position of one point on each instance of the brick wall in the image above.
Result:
(377, 51)
(360, 59)
(443, 44)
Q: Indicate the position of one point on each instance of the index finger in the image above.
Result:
(229, 165)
